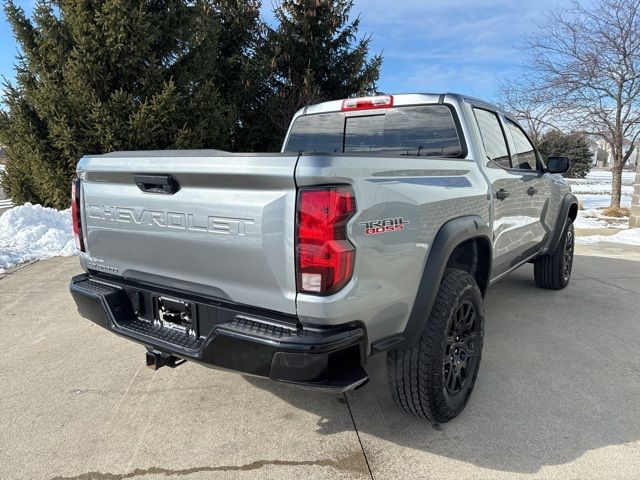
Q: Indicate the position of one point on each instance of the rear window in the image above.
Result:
(428, 130)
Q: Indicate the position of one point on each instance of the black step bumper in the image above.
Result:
(229, 336)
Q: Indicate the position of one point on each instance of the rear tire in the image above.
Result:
(434, 379)
(553, 271)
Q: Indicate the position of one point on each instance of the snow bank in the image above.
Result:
(626, 237)
(33, 232)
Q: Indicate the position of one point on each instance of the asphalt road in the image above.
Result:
(556, 398)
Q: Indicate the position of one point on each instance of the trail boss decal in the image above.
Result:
(387, 225)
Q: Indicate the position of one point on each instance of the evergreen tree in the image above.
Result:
(555, 143)
(102, 75)
(314, 55)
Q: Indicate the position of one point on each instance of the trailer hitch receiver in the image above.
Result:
(156, 359)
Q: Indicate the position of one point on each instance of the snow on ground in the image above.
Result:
(32, 232)
(627, 237)
(606, 174)
(588, 222)
(593, 218)
(594, 191)
(602, 201)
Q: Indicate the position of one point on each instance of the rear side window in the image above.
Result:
(427, 130)
(495, 145)
(524, 157)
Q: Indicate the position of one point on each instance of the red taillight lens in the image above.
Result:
(75, 213)
(367, 103)
(325, 256)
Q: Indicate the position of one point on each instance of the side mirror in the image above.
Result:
(558, 164)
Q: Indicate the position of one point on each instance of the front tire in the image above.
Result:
(435, 378)
(554, 271)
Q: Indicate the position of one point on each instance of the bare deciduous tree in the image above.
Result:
(530, 105)
(586, 61)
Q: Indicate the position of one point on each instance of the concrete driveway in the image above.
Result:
(558, 396)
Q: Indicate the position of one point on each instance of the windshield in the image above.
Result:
(427, 130)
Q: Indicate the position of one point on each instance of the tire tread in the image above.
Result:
(415, 374)
(548, 269)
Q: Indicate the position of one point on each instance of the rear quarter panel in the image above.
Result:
(425, 192)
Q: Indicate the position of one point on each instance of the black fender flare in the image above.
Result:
(561, 222)
(450, 235)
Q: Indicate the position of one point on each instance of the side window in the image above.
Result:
(524, 157)
(493, 138)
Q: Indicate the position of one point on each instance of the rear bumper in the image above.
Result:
(229, 337)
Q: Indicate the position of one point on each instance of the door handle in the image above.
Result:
(502, 194)
(165, 184)
(532, 191)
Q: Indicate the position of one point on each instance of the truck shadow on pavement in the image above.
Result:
(559, 378)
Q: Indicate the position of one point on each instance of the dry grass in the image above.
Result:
(617, 212)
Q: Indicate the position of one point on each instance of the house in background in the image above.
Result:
(602, 156)
(598, 155)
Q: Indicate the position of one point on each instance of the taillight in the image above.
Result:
(75, 214)
(325, 256)
(367, 103)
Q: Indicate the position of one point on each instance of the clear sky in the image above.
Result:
(464, 46)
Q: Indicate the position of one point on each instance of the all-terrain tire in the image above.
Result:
(420, 377)
(553, 271)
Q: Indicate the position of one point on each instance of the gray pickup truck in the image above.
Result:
(378, 228)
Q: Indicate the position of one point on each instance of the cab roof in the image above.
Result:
(403, 99)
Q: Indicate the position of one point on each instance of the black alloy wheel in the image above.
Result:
(460, 358)
(567, 262)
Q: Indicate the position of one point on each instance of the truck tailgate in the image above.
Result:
(227, 231)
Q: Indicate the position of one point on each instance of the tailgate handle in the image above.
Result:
(165, 184)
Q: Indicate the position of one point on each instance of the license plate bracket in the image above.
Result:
(175, 314)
